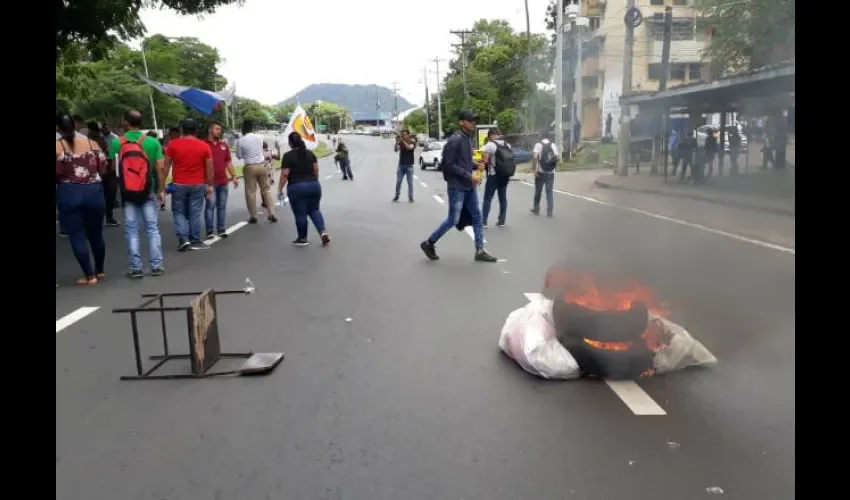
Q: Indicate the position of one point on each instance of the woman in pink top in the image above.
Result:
(80, 165)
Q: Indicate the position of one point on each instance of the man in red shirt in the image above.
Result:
(222, 170)
(189, 160)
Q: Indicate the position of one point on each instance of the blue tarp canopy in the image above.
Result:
(205, 101)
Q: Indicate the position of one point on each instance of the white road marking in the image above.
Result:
(635, 398)
(638, 401)
(328, 176)
(424, 185)
(68, 320)
(232, 229)
(738, 237)
(416, 177)
(438, 199)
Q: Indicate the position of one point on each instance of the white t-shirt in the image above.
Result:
(250, 149)
(490, 148)
(538, 148)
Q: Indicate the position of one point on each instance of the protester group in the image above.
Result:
(96, 167)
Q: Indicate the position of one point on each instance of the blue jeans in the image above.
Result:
(146, 213)
(402, 172)
(495, 184)
(81, 211)
(304, 198)
(345, 167)
(187, 204)
(458, 199)
(217, 205)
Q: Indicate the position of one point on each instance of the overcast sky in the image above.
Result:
(272, 49)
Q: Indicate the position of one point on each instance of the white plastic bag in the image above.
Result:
(683, 350)
(528, 337)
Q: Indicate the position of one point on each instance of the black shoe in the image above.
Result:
(199, 245)
(135, 274)
(210, 236)
(535, 212)
(272, 219)
(345, 178)
(157, 271)
(301, 242)
(184, 247)
(429, 250)
(484, 224)
(223, 234)
(252, 220)
(549, 214)
(395, 199)
(112, 223)
(410, 200)
(501, 224)
(483, 256)
(63, 234)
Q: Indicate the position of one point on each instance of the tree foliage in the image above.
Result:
(327, 113)
(98, 24)
(748, 34)
(102, 88)
(416, 121)
(502, 73)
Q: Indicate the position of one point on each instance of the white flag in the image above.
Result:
(300, 122)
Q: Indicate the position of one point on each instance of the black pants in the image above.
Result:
(543, 181)
(110, 189)
(687, 158)
(676, 157)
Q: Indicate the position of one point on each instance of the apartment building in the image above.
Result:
(603, 42)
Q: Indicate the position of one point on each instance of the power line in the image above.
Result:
(395, 100)
(436, 61)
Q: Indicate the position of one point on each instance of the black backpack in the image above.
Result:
(548, 159)
(505, 161)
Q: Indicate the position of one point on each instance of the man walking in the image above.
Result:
(215, 213)
(405, 147)
(501, 166)
(458, 171)
(131, 154)
(190, 161)
(250, 149)
(544, 159)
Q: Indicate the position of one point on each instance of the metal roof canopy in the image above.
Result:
(722, 94)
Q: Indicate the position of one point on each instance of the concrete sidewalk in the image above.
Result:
(758, 217)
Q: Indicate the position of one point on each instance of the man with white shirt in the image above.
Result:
(249, 148)
(544, 159)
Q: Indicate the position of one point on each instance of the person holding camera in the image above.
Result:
(404, 146)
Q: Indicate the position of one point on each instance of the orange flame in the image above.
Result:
(582, 289)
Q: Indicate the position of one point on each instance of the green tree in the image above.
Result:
(510, 121)
(99, 24)
(327, 113)
(747, 34)
(416, 122)
(249, 109)
(284, 112)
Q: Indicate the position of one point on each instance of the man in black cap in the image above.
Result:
(192, 176)
(462, 181)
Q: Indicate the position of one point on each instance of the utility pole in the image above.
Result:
(462, 47)
(395, 102)
(427, 102)
(571, 78)
(436, 61)
(624, 146)
(662, 85)
(559, 77)
(529, 125)
(578, 76)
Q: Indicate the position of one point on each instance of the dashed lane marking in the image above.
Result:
(424, 185)
(638, 401)
(232, 229)
(438, 199)
(738, 237)
(68, 320)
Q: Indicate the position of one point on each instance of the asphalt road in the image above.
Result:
(411, 398)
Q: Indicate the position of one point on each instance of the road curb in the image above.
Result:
(707, 199)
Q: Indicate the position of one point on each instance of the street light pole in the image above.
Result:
(150, 92)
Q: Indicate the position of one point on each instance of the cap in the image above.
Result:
(467, 116)
(189, 124)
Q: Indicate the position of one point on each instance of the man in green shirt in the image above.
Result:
(146, 213)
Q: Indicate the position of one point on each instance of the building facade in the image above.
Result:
(603, 41)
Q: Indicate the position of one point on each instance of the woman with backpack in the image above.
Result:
(80, 165)
(498, 156)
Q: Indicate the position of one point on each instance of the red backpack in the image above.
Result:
(134, 171)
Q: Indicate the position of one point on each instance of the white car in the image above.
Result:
(702, 133)
(432, 154)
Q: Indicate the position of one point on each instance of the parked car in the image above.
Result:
(432, 154)
(521, 155)
(702, 133)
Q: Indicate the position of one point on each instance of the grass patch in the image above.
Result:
(593, 155)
